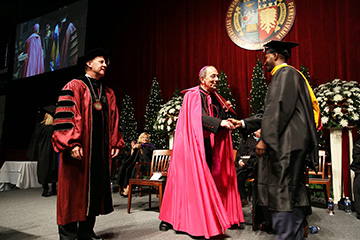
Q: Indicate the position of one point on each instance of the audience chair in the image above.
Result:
(323, 177)
(159, 164)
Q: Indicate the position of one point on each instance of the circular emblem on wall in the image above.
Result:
(252, 23)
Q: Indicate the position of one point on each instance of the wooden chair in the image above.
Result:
(159, 164)
(323, 177)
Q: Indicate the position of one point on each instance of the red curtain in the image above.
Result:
(172, 40)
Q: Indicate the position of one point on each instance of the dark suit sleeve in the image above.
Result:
(212, 124)
(355, 165)
(253, 123)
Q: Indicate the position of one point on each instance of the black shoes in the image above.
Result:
(164, 226)
(266, 228)
(46, 193)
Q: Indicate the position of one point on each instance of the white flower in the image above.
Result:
(329, 94)
(168, 114)
(347, 93)
(337, 89)
(355, 117)
(326, 109)
(172, 111)
(324, 120)
(344, 122)
(338, 98)
(337, 111)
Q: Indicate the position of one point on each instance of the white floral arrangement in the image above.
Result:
(168, 115)
(339, 103)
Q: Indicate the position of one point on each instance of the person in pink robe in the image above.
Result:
(34, 64)
(201, 196)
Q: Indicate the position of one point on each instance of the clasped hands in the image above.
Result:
(231, 123)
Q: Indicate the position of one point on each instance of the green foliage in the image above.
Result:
(127, 119)
(259, 88)
(152, 108)
(225, 91)
(306, 73)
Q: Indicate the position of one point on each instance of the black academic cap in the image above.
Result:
(91, 54)
(50, 109)
(281, 47)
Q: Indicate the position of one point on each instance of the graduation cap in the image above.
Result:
(283, 48)
(91, 54)
(49, 109)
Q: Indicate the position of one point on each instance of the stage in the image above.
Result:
(27, 215)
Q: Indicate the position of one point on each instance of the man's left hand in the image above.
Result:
(236, 123)
(260, 148)
(114, 152)
(229, 105)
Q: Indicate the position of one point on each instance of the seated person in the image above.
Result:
(245, 163)
(355, 166)
(140, 152)
(247, 167)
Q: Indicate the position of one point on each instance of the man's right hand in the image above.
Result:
(241, 163)
(235, 122)
(77, 152)
(227, 124)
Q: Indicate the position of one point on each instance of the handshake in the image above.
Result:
(231, 123)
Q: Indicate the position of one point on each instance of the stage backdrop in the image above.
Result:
(171, 40)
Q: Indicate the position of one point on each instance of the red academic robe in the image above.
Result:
(73, 184)
(197, 201)
(69, 47)
(34, 64)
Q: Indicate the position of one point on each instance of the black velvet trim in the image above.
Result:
(67, 92)
(66, 103)
(63, 126)
(64, 115)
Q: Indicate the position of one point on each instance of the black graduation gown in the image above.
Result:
(127, 168)
(289, 131)
(355, 166)
(41, 148)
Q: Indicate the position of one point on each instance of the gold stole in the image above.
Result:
(315, 104)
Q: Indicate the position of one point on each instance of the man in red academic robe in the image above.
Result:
(201, 196)
(65, 44)
(86, 136)
(34, 63)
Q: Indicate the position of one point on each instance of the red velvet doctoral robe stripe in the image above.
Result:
(73, 185)
(197, 201)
